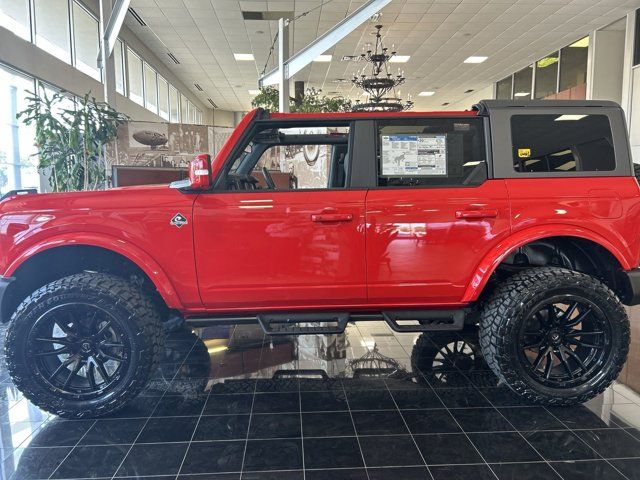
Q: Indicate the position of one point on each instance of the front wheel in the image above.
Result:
(83, 345)
(555, 336)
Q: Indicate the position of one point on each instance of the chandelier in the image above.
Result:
(380, 85)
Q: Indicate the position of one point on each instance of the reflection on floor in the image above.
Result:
(228, 404)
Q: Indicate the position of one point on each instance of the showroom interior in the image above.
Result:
(96, 95)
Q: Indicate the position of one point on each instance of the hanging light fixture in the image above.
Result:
(378, 83)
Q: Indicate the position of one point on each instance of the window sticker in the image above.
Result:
(414, 155)
(524, 152)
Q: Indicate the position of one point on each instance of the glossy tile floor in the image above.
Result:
(230, 404)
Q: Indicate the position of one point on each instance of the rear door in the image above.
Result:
(433, 214)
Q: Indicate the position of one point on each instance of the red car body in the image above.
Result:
(271, 251)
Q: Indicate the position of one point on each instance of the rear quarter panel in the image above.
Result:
(609, 207)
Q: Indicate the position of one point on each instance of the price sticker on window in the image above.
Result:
(524, 152)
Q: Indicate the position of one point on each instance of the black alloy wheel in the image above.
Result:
(79, 349)
(555, 336)
(565, 341)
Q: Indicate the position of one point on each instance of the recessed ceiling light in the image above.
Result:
(562, 118)
(323, 58)
(244, 57)
(399, 59)
(475, 59)
(522, 94)
(426, 94)
(254, 92)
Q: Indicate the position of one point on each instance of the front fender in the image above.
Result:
(136, 255)
(491, 261)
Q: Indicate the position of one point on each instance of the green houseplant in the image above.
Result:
(71, 139)
(312, 101)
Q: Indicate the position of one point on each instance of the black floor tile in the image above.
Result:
(412, 399)
(276, 402)
(113, 432)
(504, 447)
(289, 475)
(329, 453)
(34, 463)
(525, 471)
(168, 429)
(579, 417)
(273, 455)
(462, 472)
(430, 421)
(233, 386)
(390, 451)
(447, 449)
(60, 433)
(271, 385)
(179, 405)
(597, 469)
(629, 467)
(275, 425)
(370, 400)
(153, 459)
(386, 422)
(324, 401)
(91, 462)
(213, 457)
(222, 427)
(223, 404)
(532, 419)
(611, 443)
(345, 474)
(450, 379)
(399, 473)
(334, 424)
(320, 384)
(503, 397)
(352, 384)
(481, 420)
(560, 445)
(462, 398)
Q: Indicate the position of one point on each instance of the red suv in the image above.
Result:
(520, 217)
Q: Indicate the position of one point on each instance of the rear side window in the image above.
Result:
(562, 143)
(431, 152)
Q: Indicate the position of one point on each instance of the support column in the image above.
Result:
(107, 61)
(283, 69)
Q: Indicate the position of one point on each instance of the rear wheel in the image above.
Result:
(83, 345)
(555, 336)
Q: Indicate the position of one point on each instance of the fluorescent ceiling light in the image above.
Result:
(399, 59)
(472, 164)
(546, 62)
(475, 59)
(244, 57)
(426, 94)
(522, 94)
(563, 118)
(567, 166)
(582, 43)
(323, 58)
(254, 92)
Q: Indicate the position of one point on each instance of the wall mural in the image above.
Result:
(173, 145)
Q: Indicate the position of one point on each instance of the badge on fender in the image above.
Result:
(178, 220)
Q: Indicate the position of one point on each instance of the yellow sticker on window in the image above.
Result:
(524, 152)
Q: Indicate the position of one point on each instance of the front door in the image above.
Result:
(434, 214)
(287, 233)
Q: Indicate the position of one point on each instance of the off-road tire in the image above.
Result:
(126, 301)
(505, 310)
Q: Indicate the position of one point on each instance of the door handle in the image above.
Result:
(331, 217)
(476, 214)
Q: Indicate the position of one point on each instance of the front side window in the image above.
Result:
(292, 159)
(562, 143)
(431, 152)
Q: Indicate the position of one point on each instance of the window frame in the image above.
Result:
(218, 184)
(377, 156)
(500, 114)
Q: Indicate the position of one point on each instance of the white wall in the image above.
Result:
(471, 99)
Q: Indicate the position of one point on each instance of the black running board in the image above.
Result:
(319, 323)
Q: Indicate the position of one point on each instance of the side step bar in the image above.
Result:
(317, 323)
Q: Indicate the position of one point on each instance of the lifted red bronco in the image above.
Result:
(522, 217)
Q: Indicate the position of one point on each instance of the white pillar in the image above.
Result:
(283, 70)
(108, 62)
